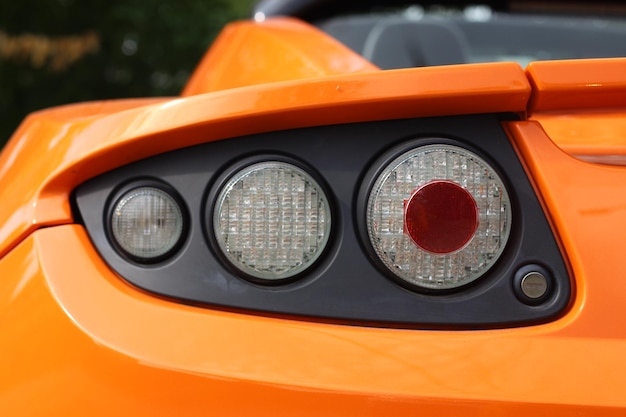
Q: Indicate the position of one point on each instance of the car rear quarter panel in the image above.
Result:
(78, 340)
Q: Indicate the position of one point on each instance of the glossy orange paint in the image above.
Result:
(577, 85)
(122, 351)
(280, 49)
(582, 107)
(76, 340)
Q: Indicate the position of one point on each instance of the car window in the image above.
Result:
(415, 37)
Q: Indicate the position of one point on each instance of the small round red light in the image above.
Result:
(441, 217)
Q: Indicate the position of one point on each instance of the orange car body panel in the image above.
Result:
(249, 53)
(581, 106)
(76, 339)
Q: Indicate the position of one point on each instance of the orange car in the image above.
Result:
(303, 233)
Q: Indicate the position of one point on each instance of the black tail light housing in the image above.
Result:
(527, 282)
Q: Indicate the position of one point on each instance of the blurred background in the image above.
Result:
(56, 52)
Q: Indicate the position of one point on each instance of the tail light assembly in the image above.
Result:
(438, 216)
(271, 221)
(424, 223)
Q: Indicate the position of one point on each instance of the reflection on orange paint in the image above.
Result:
(275, 50)
(582, 107)
(577, 85)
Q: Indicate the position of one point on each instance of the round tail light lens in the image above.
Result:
(272, 220)
(147, 223)
(438, 216)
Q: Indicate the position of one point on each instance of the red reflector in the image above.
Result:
(441, 217)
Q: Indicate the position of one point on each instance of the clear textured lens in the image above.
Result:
(272, 220)
(147, 223)
(450, 249)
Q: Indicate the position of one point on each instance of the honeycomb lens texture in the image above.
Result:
(147, 223)
(272, 220)
(385, 216)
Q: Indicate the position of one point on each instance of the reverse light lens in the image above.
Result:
(438, 216)
(272, 220)
(147, 223)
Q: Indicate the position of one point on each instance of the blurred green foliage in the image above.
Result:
(55, 52)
